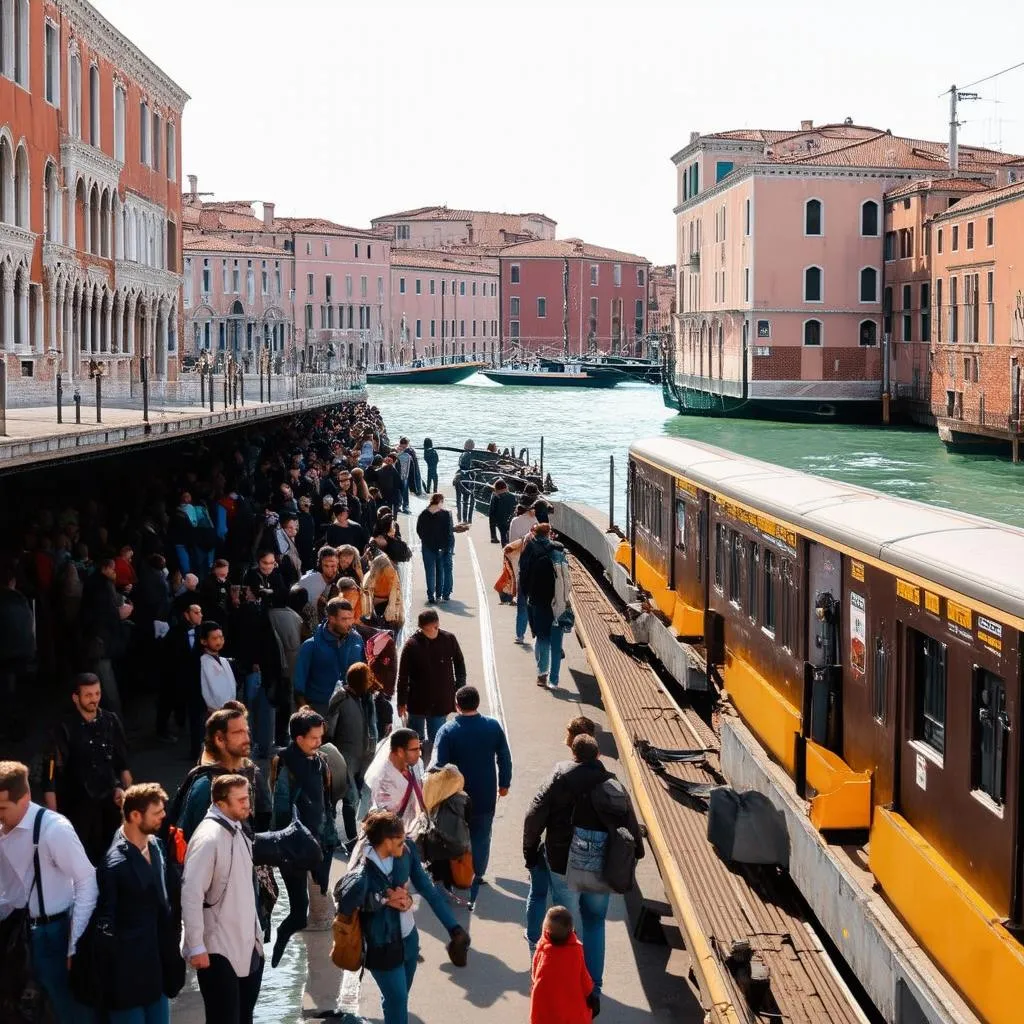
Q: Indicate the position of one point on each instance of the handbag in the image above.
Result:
(292, 848)
(21, 996)
(462, 870)
(347, 944)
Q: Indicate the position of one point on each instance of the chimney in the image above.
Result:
(268, 216)
(193, 184)
(806, 126)
(694, 136)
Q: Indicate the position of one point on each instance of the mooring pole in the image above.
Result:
(60, 399)
(611, 492)
(542, 459)
(144, 374)
(99, 397)
(210, 388)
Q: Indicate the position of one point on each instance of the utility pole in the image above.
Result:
(955, 96)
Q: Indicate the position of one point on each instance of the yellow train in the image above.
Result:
(873, 646)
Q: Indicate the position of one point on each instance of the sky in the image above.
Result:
(573, 109)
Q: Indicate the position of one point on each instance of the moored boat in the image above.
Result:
(421, 372)
(552, 374)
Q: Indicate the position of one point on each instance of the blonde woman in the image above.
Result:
(447, 805)
(382, 593)
(349, 563)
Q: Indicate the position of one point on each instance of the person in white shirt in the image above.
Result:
(216, 676)
(395, 781)
(60, 895)
(221, 935)
(518, 533)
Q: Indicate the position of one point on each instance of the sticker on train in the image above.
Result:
(959, 620)
(931, 602)
(857, 571)
(858, 634)
(990, 633)
(685, 485)
(921, 771)
(908, 592)
(765, 525)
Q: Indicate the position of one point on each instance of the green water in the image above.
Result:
(583, 427)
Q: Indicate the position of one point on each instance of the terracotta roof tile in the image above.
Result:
(429, 213)
(195, 241)
(322, 226)
(427, 259)
(569, 247)
(989, 197)
(937, 185)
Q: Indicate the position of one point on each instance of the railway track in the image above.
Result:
(755, 955)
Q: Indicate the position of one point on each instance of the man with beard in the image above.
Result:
(326, 656)
(226, 751)
(319, 586)
(87, 771)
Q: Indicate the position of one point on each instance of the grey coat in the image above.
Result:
(352, 728)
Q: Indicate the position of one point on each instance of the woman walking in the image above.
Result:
(430, 458)
(382, 594)
(352, 728)
(377, 884)
(436, 531)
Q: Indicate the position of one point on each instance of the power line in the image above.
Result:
(988, 78)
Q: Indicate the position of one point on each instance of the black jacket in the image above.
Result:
(435, 530)
(551, 813)
(101, 620)
(133, 902)
(429, 673)
(501, 510)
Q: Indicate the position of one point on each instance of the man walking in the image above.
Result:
(136, 893)
(519, 535)
(87, 770)
(565, 804)
(544, 578)
(103, 615)
(58, 888)
(436, 531)
(222, 935)
(180, 693)
(430, 670)
(326, 657)
(501, 511)
(478, 747)
(216, 676)
(466, 490)
(394, 782)
(405, 464)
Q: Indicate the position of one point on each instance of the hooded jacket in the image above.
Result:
(352, 728)
(561, 984)
(324, 659)
(544, 578)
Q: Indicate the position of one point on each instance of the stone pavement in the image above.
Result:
(642, 982)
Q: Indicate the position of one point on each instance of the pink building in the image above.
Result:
(437, 227)
(443, 304)
(779, 236)
(335, 281)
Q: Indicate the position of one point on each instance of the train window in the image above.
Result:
(880, 682)
(929, 690)
(734, 567)
(752, 579)
(768, 576)
(702, 525)
(680, 524)
(989, 734)
(719, 554)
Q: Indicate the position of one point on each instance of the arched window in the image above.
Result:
(868, 284)
(812, 284)
(51, 204)
(869, 218)
(75, 96)
(812, 217)
(119, 123)
(21, 189)
(94, 106)
(6, 181)
(812, 333)
(868, 332)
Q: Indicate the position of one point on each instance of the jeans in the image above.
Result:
(522, 614)
(156, 1013)
(298, 908)
(262, 711)
(464, 498)
(431, 484)
(104, 668)
(437, 567)
(405, 495)
(427, 726)
(227, 998)
(50, 964)
(394, 984)
(350, 804)
(549, 649)
(537, 902)
(589, 910)
(480, 826)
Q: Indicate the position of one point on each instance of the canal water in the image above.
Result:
(582, 427)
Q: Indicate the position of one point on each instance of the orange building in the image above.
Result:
(90, 206)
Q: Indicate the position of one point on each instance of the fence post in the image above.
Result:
(202, 385)
(60, 399)
(144, 376)
(241, 386)
(225, 388)
(209, 387)
(78, 406)
(611, 492)
(99, 397)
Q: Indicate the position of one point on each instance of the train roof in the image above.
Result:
(976, 557)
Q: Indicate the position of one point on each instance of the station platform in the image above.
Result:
(643, 982)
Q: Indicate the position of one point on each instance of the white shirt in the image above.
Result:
(67, 878)
(388, 787)
(217, 681)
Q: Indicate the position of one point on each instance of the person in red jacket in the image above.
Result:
(562, 990)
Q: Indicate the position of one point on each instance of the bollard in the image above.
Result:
(225, 390)
(241, 386)
(209, 388)
(60, 399)
(144, 375)
(99, 398)
(261, 380)
(78, 406)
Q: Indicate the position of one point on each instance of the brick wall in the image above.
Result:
(979, 377)
(782, 364)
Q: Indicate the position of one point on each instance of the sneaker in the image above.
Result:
(542, 680)
(458, 947)
(520, 640)
(430, 599)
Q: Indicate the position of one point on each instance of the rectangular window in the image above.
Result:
(746, 284)
(309, 316)
(722, 168)
(594, 267)
(144, 132)
(617, 275)
(929, 668)
(542, 307)
(277, 279)
(954, 312)
(955, 243)
(880, 681)
(419, 286)
(514, 273)
(401, 286)
(444, 286)
(172, 153)
(462, 328)
(720, 543)
(513, 306)
(348, 286)
(753, 579)
(640, 275)
(513, 328)
(746, 218)
(990, 231)
(989, 735)
(433, 328)
(926, 312)
(157, 133)
(431, 286)
(419, 328)
(938, 242)
(363, 286)
(768, 589)
(734, 567)
(328, 286)
(369, 256)
(356, 249)
(474, 287)
(474, 328)
(52, 63)
(236, 279)
(970, 234)
(206, 277)
(380, 289)
(309, 284)
(225, 281)
(462, 287)
(890, 246)
(119, 109)
(250, 285)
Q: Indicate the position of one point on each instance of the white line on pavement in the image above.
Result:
(487, 641)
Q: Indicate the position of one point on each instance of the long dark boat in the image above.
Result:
(645, 371)
(551, 374)
(424, 373)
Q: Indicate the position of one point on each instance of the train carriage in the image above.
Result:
(873, 647)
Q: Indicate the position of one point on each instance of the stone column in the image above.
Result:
(87, 334)
(88, 223)
(115, 340)
(163, 337)
(24, 340)
(54, 306)
(130, 339)
(108, 317)
(7, 336)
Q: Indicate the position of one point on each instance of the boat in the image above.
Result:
(645, 371)
(552, 374)
(421, 371)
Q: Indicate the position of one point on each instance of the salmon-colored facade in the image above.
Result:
(90, 212)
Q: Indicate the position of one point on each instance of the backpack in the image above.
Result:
(611, 804)
(347, 945)
(172, 836)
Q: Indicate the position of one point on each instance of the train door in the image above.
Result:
(824, 588)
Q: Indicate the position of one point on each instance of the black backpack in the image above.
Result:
(612, 806)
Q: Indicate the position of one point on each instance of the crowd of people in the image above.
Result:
(261, 590)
